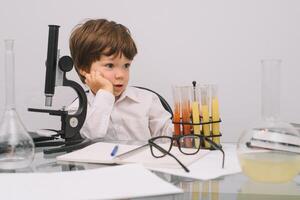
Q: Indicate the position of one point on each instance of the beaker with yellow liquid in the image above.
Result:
(268, 152)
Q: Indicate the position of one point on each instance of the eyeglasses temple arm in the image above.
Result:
(166, 152)
(217, 147)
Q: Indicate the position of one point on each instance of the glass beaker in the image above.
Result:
(263, 151)
(16, 146)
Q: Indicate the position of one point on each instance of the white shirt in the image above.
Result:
(137, 115)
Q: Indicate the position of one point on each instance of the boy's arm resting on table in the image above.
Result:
(160, 122)
(98, 114)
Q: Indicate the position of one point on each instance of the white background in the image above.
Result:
(210, 41)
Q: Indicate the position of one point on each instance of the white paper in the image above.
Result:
(167, 161)
(274, 146)
(276, 137)
(100, 153)
(210, 166)
(118, 182)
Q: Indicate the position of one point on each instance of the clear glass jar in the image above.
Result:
(263, 151)
(16, 146)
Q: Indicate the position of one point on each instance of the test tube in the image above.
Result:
(186, 92)
(177, 110)
(196, 190)
(196, 112)
(204, 89)
(215, 113)
(205, 190)
(215, 189)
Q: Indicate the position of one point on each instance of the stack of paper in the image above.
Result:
(118, 182)
(275, 140)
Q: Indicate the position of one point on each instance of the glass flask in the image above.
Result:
(16, 146)
(264, 152)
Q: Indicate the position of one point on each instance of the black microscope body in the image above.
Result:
(56, 69)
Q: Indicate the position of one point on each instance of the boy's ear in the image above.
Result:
(82, 72)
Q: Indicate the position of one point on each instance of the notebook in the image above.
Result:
(101, 153)
(276, 141)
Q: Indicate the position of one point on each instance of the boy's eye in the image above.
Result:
(109, 65)
(127, 65)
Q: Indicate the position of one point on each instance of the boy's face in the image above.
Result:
(115, 69)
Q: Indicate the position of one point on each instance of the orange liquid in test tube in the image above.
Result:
(177, 109)
(176, 118)
(186, 116)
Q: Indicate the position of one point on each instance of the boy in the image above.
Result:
(102, 51)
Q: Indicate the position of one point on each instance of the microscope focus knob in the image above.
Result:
(65, 63)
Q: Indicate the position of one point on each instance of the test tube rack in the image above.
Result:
(190, 125)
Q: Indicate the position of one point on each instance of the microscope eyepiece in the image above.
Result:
(51, 63)
(48, 100)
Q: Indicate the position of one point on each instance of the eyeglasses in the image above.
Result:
(188, 144)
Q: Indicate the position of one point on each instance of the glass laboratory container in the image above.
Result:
(265, 152)
(16, 146)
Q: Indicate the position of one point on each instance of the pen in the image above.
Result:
(129, 153)
(114, 151)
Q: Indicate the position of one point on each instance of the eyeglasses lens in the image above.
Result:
(189, 144)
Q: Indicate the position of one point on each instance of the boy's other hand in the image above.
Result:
(96, 81)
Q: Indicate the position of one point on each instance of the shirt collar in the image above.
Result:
(132, 94)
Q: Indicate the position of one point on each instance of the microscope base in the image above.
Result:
(70, 146)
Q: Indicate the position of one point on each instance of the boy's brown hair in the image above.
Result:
(98, 37)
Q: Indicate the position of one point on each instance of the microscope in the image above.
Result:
(56, 69)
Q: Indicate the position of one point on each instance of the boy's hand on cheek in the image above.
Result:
(96, 81)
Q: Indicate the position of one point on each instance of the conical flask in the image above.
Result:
(16, 146)
(267, 152)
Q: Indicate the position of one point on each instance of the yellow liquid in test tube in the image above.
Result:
(215, 190)
(205, 127)
(196, 190)
(270, 167)
(205, 190)
(196, 120)
(215, 117)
